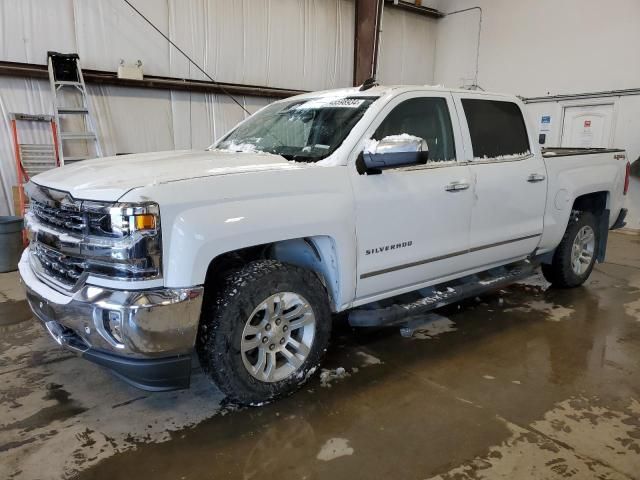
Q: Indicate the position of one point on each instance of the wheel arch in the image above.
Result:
(596, 203)
(315, 253)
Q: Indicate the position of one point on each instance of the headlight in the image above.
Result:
(121, 219)
(124, 240)
(74, 238)
(116, 240)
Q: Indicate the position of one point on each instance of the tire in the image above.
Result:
(562, 272)
(235, 318)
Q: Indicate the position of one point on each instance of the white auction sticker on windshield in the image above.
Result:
(330, 103)
(347, 102)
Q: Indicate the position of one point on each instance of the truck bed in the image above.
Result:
(581, 171)
(548, 152)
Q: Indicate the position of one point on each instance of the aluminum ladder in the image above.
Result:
(67, 82)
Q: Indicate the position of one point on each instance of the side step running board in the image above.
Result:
(438, 296)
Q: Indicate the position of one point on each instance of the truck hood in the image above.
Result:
(109, 178)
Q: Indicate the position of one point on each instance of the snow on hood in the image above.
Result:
(109, 178)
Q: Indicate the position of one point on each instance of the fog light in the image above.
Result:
(113, 325)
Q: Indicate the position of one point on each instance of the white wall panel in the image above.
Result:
(456, 49)
(304, 44)
(549, 47)
(30, 28)
(535, 48)
(129, 120)
(407, 48)
(108, 30)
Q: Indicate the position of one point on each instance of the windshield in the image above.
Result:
(304, 130)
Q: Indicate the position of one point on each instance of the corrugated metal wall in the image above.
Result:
(301, 44)
(305, 44)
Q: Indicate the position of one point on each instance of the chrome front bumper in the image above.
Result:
(158, 327)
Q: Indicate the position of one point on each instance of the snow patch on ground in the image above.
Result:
(94, 414)
(10, 287)
(536, 280)
(635, 283)
(367, 359)
(327, 376)
(334, 448)
(555, 313)
(434, 328)
(578, 422)
(633, 309)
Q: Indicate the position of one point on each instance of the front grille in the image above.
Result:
(63, 217)
(69, 218)
(63, 268)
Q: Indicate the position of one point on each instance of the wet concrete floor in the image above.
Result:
(528, 382)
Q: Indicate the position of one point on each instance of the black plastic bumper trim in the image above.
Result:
(155, 375)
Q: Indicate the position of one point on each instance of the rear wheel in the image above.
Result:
(264, 332)
(575, 256)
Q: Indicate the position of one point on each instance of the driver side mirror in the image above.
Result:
(393, 151)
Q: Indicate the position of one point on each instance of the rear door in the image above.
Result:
(510, 184)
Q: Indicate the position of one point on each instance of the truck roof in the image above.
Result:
(381, 90)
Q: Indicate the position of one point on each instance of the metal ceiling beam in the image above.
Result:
(412, 7)
(150, 81)
(368, 17)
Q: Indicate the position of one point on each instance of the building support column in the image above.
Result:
(365, 57)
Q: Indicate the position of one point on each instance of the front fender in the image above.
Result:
(204, 218)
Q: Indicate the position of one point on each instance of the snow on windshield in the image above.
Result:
(303, 129)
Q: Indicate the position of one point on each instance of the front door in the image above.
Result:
(412, 223)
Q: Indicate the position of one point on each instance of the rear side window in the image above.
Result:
(427, 118)
(497, 128)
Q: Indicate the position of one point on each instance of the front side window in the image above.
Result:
(427, 118)
(304, 130)
(497, 128)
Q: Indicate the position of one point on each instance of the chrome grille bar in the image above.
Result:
(64, 268)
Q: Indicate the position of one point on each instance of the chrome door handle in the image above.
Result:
(456, 186)
(536, 177)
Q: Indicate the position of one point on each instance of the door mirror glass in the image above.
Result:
(393, 151)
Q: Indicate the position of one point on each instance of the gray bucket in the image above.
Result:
(10, 243)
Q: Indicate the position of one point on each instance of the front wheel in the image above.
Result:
(264, 331)
(575, 256)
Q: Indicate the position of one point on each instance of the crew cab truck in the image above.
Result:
(378, 200)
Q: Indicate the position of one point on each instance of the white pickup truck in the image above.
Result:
(384, 201)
